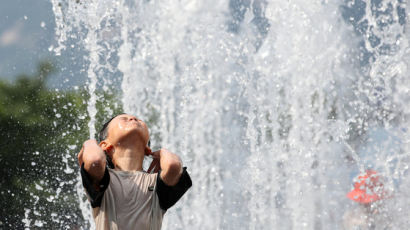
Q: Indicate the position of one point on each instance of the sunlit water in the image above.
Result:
(274, 106)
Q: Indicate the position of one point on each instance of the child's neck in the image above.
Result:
(129, 158)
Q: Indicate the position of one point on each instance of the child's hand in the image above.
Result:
(155, 164)
(93, 158)
(89, 144)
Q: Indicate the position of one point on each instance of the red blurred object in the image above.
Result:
(367, 188)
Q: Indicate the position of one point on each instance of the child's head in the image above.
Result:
(123, 131)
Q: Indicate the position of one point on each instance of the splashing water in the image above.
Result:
(274, 106)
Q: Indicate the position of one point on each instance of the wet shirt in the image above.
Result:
(132, 200)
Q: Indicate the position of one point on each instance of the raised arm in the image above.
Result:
(94, 160)
(170, 165)
(173, 181)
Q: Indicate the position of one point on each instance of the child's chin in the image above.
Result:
(132, 126)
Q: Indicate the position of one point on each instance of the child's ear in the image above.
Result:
(147, 151)
(106, 147)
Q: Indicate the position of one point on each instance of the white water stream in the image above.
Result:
(274, 106)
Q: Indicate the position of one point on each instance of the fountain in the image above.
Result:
(274, 106)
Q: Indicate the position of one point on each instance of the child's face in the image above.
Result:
(127, 127)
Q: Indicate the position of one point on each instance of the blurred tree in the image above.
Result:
(41, 131)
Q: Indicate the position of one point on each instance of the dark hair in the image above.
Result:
(103, 134)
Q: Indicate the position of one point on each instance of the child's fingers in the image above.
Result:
(155, 154)
(154, 169)
(152, 165)
(157, 168)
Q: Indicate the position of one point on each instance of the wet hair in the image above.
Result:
(103, 134)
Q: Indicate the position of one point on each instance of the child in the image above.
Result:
(121, 194)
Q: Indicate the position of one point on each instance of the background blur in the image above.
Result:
(27, 34)
(42, 120)
(275, 106)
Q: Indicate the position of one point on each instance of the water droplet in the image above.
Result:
(68, 170)
(39, 223)
(38, 187)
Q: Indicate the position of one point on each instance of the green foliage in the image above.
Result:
(107, 106)
(41, 131)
